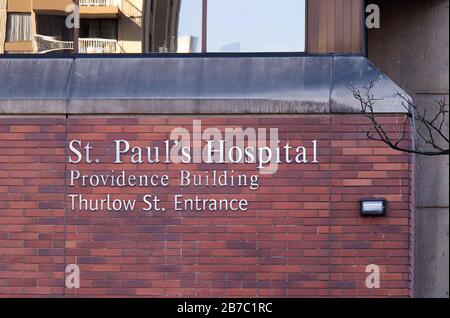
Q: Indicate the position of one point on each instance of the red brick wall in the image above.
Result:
(302, 235)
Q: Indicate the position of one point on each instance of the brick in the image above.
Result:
(357, 182)
(302, 236)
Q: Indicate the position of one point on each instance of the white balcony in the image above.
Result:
(92, 9)
(47, 44)
(97, 46)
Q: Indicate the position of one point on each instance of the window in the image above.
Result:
(175, 26)
(53, 26)
(100, 29)
(190, 27)
(230, 25)
(18, 27)
(256, 26)
(163, 26)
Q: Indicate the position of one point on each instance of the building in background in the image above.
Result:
(39, 26)
(106, 26)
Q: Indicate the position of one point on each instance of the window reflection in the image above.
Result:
(190, 27)
(256, 25)
(153, 26)
(173, 26)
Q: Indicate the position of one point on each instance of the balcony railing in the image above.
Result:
(99, 3)
(47, 44)
(101, 46)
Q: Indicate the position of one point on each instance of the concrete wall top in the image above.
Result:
(192, 85)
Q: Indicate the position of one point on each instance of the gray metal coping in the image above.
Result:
(197, 85)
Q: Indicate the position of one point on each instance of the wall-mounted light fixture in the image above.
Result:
(373, 207)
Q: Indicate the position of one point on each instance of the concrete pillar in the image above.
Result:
(412, 47)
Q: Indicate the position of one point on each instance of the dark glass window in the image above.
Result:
(98, 28)
(53, 26)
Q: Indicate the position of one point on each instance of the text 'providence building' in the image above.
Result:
(116, 172)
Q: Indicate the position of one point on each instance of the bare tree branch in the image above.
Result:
(434, 134)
